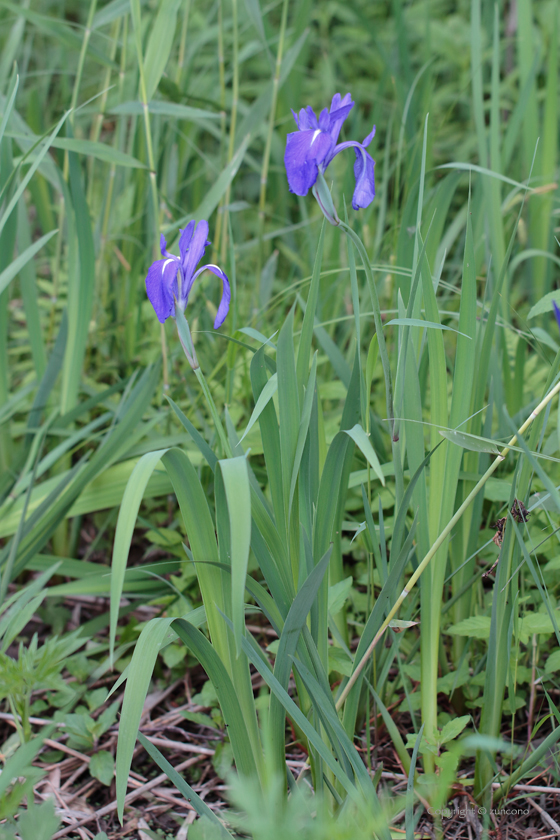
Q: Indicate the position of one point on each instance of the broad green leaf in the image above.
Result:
(126, 522)
(471, 167)
(536, 623)
(545, 304)
(90, 148)
(17, 765)
(472, 442)
(238, 495)
(293, 626)
(160, 43)
(38, 822)
(230, 702)
(303, 428)
(300, 720)
(102, 767)
(398, 625)
(265, 396)
(553, 662)
(418, 322)
(338, 593)
(258, 336)
(453, 728)
(362, 441)
(477, 627)
(105, 491)
(339, 661)
(154, 635)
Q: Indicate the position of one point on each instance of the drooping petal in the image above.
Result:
(339, 110)
(364, 192)
(223, 308)
(185, 239)
(305, 150)
(161, 286)
(193, 255)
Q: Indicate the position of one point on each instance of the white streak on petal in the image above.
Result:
(164, 266)
(315, 135)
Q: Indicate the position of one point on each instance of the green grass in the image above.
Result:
(336, 463)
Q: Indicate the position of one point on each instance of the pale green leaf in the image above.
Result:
(453, 728)
(418, 322)
(477, 627)
(361, 439)
(338, 593)
(264, 398)
(102, 767)
(126, 522)
(238, 495)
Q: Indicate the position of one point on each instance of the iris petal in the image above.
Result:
(185, 239)
(364, 192)
(307, 119)
(193, 256)
(339, 110)
(305, 150)
(223, 308)
(369, 138)
(161, 287)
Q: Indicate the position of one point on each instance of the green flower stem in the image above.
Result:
(214, 412)
(442, 537)
(361, 248)
(396, 448)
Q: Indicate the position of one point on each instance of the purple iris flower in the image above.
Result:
(170, 280)
(314, 145)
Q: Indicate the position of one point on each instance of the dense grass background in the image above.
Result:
(123, 120)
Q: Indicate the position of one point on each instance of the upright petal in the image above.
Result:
(339, 110)
(163, 246)
(185, 239)
(223, 308)
(161, 286)
(193, 255)
(307, 119)
(369, 138)
(364, 192)
(305, 150)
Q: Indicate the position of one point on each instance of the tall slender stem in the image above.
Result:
(268, 144)
(361, 248)
(232, 126)
(152, 174)
(214, 412)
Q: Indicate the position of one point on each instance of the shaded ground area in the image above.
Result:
(183, 732)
